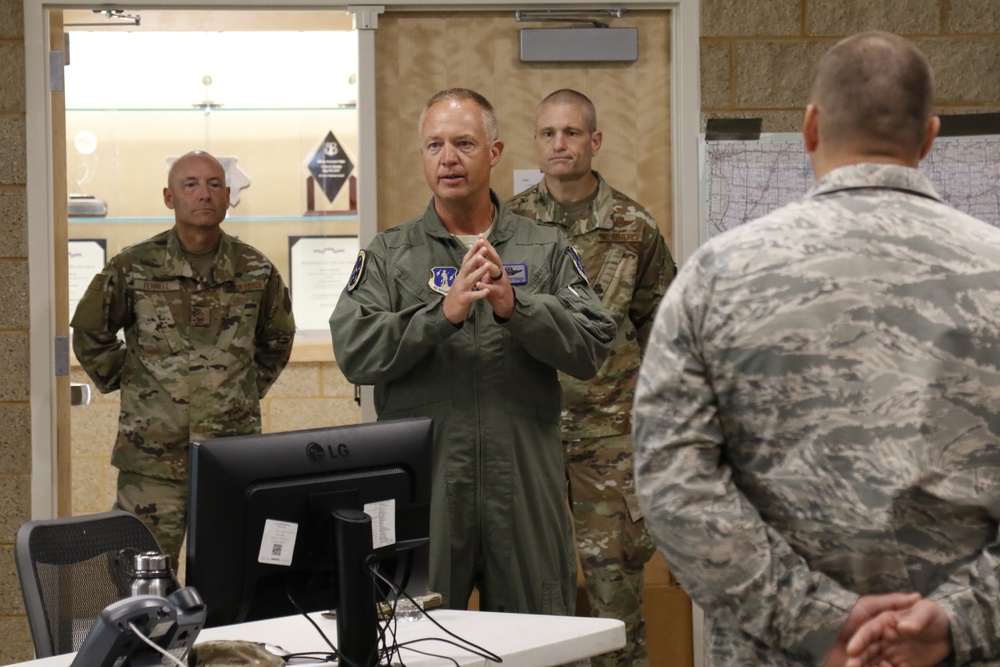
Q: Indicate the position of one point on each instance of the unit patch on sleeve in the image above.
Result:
(99, 281)
(357, 272)
(441, 278)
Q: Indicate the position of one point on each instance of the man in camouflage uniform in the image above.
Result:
(629, 267)
(207, 329)
(818, 413)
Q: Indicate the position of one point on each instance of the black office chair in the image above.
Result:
(72, 568)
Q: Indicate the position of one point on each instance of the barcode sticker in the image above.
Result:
(383, 514)
(278, 542)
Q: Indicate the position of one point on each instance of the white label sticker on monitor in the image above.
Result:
(383, 514)
(278, 542)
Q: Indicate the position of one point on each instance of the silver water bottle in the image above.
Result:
(151, 574)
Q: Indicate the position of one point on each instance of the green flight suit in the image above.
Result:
(499, 517)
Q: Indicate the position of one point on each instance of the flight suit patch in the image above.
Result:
(357, 272)
(517, 274)
(441, 278)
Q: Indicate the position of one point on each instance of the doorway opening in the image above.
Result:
(273, 95)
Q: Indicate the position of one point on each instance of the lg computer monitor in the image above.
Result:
(261, 524)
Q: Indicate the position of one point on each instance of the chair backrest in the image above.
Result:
(72, 568)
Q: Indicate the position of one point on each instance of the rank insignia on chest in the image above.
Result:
(441, 278)
(517, 274)
(357, 272)
(201, 316)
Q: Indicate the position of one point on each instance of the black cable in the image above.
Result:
(372, 563)
(340, 658)
(319, 656)
(431, 655)
(388, 624)
(466, 644)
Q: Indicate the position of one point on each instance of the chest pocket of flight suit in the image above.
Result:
(155, 326)
(426, 390)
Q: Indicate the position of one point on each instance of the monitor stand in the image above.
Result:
(357, 621)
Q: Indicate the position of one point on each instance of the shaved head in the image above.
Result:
(192, 156)
(873, 92)
(570, 96)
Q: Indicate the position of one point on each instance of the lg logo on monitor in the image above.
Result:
(317, 453)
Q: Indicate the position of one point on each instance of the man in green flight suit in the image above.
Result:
(630, 268)
(207, 326)
(465, 314)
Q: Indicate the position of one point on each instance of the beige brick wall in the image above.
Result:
(757, 56)
(15, 416)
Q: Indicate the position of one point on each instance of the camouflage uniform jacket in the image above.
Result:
(818, 416)
(629, 267)
(490, 386)
(198, 354)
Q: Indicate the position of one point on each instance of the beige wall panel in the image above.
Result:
(13, 221)
(760, 17)
(846, 17)
(972, 16)
(420, 54)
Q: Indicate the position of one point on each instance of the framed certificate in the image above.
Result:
(320, 267)
(86, 259)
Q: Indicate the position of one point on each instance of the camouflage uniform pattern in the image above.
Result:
(161, 504)
(232, 652)
(629, 267)
(197, 356)
(818, 417)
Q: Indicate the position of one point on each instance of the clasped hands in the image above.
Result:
(481, 276)
(892, 630)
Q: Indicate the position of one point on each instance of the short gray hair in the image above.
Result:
(490, 124)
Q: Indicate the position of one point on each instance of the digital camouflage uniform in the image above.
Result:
(197, 356)
(818, 417)
(629, 267)
(498, 507)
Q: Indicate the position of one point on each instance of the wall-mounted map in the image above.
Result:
(743, 180)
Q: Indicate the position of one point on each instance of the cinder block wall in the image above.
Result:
(757, 56)
(15, 417)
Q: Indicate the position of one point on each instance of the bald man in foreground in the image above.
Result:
(817, 420)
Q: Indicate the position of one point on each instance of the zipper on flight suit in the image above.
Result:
(471, 322)
(480, 474)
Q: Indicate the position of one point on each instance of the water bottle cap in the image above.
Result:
(152, 562)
